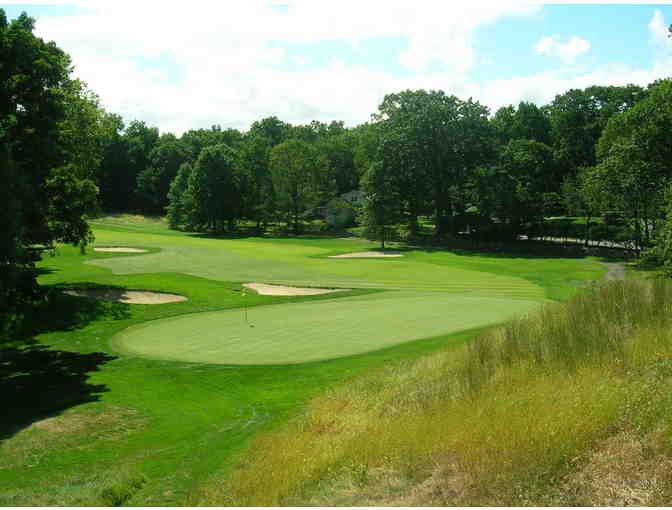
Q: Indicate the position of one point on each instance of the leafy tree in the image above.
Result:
(179, 201)
(339, 152)
(110, 174)
(300, 179)
(635, 151)
(140, 141)
(433, 143)
(382, 204)
(44, 116)
(214, 188)
(528, 122)
(152, 183)
(258, 193)
(578, 118)
(525, 166)
(272, 129)
(366, 142)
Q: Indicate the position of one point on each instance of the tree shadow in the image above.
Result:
(37, 381)
(312, 236)
(529, 249)
(64, 312)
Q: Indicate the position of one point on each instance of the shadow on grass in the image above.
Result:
(530, 249)
(312, 236)
(35, 381)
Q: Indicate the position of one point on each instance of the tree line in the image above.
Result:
(425, 158)
(424, 154)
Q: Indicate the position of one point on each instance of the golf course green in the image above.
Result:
(301, 332)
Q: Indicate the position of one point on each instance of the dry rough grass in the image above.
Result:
(134, 297)
(623, 470)
(72, 429)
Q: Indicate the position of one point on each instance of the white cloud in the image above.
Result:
(568, 52)
(226, 59)
(542, 88)
(659, 29)
(223, 62)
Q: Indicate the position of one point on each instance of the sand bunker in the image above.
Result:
(366, 254)
(134, 297)
(281, 290)
(121, 250)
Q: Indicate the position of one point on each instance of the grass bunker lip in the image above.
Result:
(367, 255)
(119, 249)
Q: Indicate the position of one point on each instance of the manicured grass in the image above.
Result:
(297, 333)
(305, 262)
(139, 431)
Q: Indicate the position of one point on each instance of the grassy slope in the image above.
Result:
(139, 431)
(570, 407)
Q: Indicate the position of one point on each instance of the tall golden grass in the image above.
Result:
(506, 420)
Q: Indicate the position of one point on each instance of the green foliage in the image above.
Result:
(521, 180)
(258, 199)
(382, 202)
(579, 116)
(431, 143)
(179, 201)
(214, 189)
(49, 134)
(301, 179)
(152, 183)
(527, 122)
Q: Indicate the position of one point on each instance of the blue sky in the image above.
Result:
(233, 62)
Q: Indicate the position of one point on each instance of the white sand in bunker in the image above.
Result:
(280, 290)
(133, 297)
(120, 250)
(366, 255)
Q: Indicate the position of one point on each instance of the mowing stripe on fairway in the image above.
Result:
(302, 332)
(266, 261)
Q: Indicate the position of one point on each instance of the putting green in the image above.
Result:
(302, 332)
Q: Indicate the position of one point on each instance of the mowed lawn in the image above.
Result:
(301, 332)
(89, 421)
(305, 262)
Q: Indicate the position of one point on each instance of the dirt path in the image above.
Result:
(616, 271)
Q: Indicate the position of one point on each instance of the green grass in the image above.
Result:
(298, 333)
(88, 424)
(305, 262)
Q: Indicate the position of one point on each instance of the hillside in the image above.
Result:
(570, 406)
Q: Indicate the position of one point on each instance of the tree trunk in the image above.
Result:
(587, 241)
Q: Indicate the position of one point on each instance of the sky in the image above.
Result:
(190, 65)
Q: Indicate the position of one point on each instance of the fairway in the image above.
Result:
(303, 332)
(305, 263)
